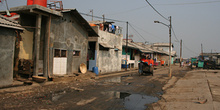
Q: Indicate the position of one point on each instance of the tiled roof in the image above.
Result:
(5, 22)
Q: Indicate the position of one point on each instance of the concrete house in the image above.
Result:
(54, 42)
(165, 47)
(9, 33)
(105, 51)
(134, 54)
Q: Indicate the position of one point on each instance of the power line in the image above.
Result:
(130, 10)
(165, 4)
(191, 3)
(147, 32)
(137, 32)
(175, 34)
(190, 49)
(157, 11)
(102, 18)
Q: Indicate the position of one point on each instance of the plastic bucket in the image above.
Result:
(95, 70)
(41, 2)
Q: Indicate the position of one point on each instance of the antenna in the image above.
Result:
(56, 5)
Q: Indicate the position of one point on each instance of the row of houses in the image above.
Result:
(48, 42)
(139, 50)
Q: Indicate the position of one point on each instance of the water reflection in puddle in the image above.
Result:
(132, 101)
(138, 102)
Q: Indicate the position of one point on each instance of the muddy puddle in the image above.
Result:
(132, 101)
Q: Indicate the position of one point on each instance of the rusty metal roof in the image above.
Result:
(6, 22)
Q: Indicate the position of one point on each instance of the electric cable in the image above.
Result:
(191, 3)
(102, 18)
(148, 32)
(190, 49)
(174, 34)
(137, 32)
(130, 10)
(157, 11)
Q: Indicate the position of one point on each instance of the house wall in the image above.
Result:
(26, 43)
(67, 34)
(135, 53)
(7, 39)
(109, 60)
(165, 58)
(166, 49)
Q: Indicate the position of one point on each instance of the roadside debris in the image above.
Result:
(84, 102)
(77, 89)
(202, 102)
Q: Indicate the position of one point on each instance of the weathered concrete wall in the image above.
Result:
(26, 44)
(7, 39)
(68, 35)
(137, 59)
(109, 60)
(165, 58)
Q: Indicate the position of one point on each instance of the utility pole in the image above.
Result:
(92, 13)
(202, 52)
(103, 18)
(126, 48)
(170, 27)
(170, 44)
(180, 52)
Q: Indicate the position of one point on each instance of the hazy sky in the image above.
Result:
(196, 22)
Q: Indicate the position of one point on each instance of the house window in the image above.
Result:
(63, 53)
(60, 53)
(76, 53)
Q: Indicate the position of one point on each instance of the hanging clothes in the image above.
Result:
(113, 28)
(101, 26)
(110, 28)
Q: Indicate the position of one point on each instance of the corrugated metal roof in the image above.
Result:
(6, 22)
(136, 46)
(162, 45)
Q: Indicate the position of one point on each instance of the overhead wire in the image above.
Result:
(174, 34)
(164, 4)
(130, 10)
(102, 18)
(147, 32)
(191, 3)
(157, 11)
(137, 32)
(190, 50)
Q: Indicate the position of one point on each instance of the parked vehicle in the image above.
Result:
(209, 64)
(145, 68)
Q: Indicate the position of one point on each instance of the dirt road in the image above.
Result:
(130, 91)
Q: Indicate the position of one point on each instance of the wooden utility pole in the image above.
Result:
(170, 27)
(103, 18)
(92, 13)
(201, 51)
(126, 48)
(180, 52)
